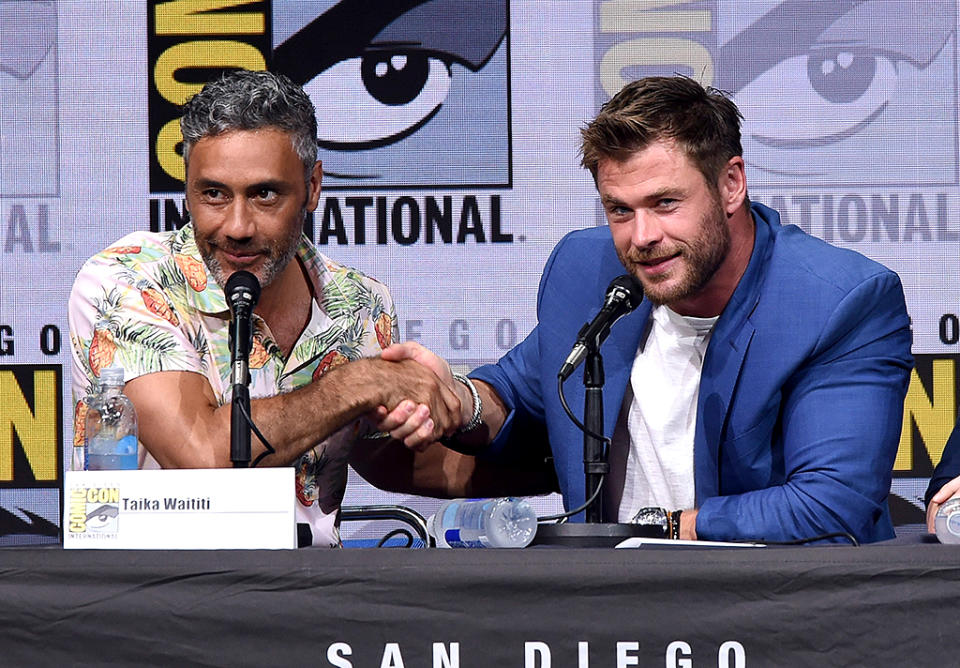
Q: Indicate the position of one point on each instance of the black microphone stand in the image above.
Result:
(240, 399)
(623, 295)
(242, 292)
(595, 465)
(240, 427)
(594, 532)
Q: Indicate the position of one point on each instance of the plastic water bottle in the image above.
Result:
(502, 522)
(947, 521)
(111, 426)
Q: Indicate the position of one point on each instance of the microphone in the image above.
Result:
(623, 295)
(242, 292)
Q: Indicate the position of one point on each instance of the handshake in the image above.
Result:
(431, 403)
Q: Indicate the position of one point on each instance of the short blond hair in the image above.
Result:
(703, 122)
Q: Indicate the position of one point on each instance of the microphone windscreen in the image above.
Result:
(242, 286)
(631, 285)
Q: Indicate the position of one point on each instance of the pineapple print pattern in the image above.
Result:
(103, 348)
(147, 303)
(259, 354)
(155, 303)
(79, 423)
(193, 270)
(384, 330)
(331, 360)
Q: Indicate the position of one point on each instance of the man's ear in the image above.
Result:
(732, 185)
(316, 177)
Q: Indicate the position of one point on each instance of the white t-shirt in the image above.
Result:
(660, 413)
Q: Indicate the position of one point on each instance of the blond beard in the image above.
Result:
(700, 256)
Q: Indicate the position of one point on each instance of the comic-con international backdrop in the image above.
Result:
(448, 133)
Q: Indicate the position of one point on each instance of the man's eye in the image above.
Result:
(267, 195)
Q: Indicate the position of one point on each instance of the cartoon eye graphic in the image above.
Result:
(30, 32)
(102, 515)
(397, 84)
(378, 98)
(841, 75)
(835, 92)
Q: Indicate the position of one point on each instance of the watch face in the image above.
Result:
(651, 516)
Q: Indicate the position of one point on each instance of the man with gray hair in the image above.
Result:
(154, 304)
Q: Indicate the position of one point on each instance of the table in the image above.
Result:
(885, 604)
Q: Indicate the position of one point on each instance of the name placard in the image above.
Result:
(188, 509)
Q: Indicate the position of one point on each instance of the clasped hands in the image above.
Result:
(423, 414)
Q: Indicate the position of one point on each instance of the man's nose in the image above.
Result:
(239, 222)
(646, 230)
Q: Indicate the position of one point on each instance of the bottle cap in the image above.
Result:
(111, 376)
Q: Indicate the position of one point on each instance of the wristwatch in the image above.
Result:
(657, 519)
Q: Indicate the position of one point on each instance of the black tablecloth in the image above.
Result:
(888, 604)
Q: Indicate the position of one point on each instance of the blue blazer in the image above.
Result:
(801, 393)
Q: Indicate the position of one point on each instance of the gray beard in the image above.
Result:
(274, 266)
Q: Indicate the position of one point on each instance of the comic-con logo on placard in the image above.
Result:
(29, 89)
(817, 81)
(94, 511)
(409, 93)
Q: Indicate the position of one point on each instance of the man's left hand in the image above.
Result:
(946, 492)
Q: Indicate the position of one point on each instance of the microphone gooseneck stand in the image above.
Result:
(594, 532)
(595, 465)
(242, 292)
(623, 295)
(239, 425)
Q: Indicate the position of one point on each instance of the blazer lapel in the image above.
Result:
(725, 357)
(721, 370)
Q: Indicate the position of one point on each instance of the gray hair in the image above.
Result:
(247, 100)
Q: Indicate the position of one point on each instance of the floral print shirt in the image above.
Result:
(148, 304)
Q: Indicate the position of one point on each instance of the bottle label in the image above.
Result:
(452, 536)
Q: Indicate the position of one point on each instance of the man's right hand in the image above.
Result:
(414, 423)
(425, 405)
